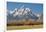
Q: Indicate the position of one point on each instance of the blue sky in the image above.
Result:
(36, 7)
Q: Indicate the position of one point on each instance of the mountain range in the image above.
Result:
(22, 13)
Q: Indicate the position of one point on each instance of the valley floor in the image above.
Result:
(24, 27)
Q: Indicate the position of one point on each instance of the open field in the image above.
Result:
(24, 24)
(24, 27)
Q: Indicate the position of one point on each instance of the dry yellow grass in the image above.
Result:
(24, 27)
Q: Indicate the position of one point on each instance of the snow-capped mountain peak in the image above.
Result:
(21, 11)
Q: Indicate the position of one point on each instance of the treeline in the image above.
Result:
(24, 22)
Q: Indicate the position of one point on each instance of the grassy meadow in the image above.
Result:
(18, 25)
(24, 27)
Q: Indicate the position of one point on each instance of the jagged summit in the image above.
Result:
(22, 13)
